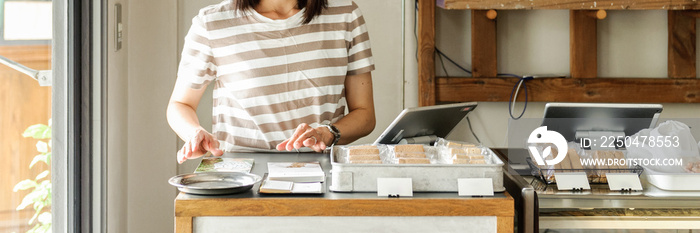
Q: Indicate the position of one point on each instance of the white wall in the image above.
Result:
(141, 146)
(152, 58)
(117, 132)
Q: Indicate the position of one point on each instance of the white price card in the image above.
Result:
(394, 187)
(572, 181)
(624, 181)
(475, 187)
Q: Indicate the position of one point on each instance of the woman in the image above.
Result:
(283, 71)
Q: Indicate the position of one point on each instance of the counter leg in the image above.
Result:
(505, 224)
(183, 224)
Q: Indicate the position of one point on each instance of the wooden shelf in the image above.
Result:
(569, 4)
(593, 90)
(681, 85)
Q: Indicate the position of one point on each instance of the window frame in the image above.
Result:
(78, 181)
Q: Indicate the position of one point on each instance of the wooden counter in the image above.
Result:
(351, 207)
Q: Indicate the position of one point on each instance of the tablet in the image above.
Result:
(570, 118)
(436, 121)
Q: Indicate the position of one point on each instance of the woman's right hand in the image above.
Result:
(198, 145)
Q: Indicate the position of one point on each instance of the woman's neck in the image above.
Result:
(277, 9)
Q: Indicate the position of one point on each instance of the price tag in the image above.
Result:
(572, 181)
(624, 181)
(475, 186)
(394, 187)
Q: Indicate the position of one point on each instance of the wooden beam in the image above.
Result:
(487, 206)
(183, 224)
(505, 224)
(595, 90)
(681, 45)
(484, 62)
(583, 44)
(426, 53)
(570, 4)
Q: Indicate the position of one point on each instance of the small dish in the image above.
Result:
(215, 183)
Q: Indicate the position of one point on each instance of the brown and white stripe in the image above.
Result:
(272, 75)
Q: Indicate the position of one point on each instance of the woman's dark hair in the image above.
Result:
(313, 7)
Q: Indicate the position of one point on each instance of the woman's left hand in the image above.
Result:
(306, 136)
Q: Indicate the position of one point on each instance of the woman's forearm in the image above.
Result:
(355, 125)
(183, 120)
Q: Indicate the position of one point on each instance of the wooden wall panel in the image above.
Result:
(596, 90)
(571, 4)
(585, 85)
(426, 53)
(22, 103)
(583, 44)
(484, 56)
(681, 45)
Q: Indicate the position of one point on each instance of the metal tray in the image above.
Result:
(347, 177)
(673, 181)
(547, 175)
(215, 183)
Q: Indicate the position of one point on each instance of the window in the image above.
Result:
(57, 43)
(25, 112)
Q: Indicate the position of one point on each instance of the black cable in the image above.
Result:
(415, 26)
(507, 74)
(442, 63)
(451, 61)
(512, 99)
(472, 129)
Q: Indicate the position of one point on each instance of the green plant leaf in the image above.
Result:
(28, 200)
(47, 201)
(38, 131)
(48, 158)
(24, 185)
(46, 134)
(42, 147)
(31, 221)
(45, 218)
(40, 157)
(38, 206)
(44, 189)
(42, 175)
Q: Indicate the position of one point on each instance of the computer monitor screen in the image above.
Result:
(438, 120)
(569, 118)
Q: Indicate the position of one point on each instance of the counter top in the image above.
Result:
(260, 168)
(251, 203)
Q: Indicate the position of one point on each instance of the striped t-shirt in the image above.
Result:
(272, 75)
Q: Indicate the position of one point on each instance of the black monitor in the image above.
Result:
(570, 118)
(431, 121)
